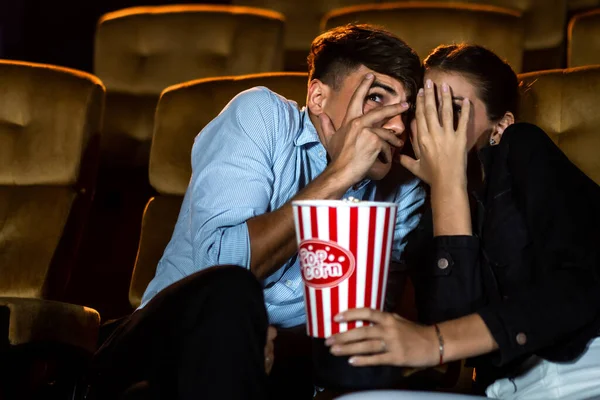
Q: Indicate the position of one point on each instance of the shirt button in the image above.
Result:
(320, 154)
(521, 338)
(443, 263)
(289, 283)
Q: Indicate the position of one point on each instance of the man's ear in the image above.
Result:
(507, 120)
(318, 94)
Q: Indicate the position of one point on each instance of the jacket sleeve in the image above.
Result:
(445, 273)
(560, 206)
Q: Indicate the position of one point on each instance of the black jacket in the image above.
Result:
(531, 270)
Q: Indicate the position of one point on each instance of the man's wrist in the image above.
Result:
(329, 185)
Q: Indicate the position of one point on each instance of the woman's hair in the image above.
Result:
(496, 82)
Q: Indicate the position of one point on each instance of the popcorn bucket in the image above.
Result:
(344, 249)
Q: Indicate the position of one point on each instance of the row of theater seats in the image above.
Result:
(49, 135)
(544, 20)
(140, 51)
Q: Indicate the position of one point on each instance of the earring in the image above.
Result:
(492, 142)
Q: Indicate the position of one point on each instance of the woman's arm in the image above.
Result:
(393, 340)
(448, 282)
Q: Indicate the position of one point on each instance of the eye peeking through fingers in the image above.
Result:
(456, 111)
(375, 98)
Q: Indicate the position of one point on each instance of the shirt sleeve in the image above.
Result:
(232, 178)
(561, 210)
(410, 198)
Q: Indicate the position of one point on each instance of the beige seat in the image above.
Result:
(425, 25)
(565, 104)
(302, 24)
(50, 121)
(544, 26)
(182, 112)
(140, 51)
(584, 39)
(544, 19)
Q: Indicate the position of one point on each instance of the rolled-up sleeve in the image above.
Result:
(232, 178)
(410, 199)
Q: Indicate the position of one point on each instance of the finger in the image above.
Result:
(380, 114)
(422, 129)
(355, 107)
(447, 113)
(387, 135)
(376, 359)
(326, 124)
(431, 112)
(463, 121)
(365, 347)
(362, 314)
(355, 335)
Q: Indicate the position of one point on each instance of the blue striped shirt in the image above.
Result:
(252, 159)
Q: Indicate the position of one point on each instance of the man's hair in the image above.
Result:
(339, 51)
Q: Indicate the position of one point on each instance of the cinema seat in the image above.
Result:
(425, 25)
(584, 39)
(565, 104)
(182, 112)
(50, 120)
(140, 51)
(301, 24)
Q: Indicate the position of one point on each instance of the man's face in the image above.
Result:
(384, 91)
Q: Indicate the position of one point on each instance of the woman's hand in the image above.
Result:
(440, 150)
(392, 340)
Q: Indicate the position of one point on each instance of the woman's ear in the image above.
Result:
(317, 96)
(507, 120)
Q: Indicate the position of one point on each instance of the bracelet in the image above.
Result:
(440, 341)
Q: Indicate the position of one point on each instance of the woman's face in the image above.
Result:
(479, 127)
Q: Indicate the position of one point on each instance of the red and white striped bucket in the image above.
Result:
(344, 249)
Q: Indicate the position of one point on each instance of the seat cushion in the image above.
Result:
(47, 117)
(142, 50)
(32, 220)
(158, 223)
(35, 320)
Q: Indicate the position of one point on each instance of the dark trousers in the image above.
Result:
(202, 337)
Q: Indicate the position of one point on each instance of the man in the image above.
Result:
(262, 152)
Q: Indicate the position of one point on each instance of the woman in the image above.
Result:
(506, 262)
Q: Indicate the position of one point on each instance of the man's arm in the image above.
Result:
(232, 180)
(272, 235)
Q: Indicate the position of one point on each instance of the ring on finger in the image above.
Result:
(383, 346)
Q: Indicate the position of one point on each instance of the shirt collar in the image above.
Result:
(308, 132)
